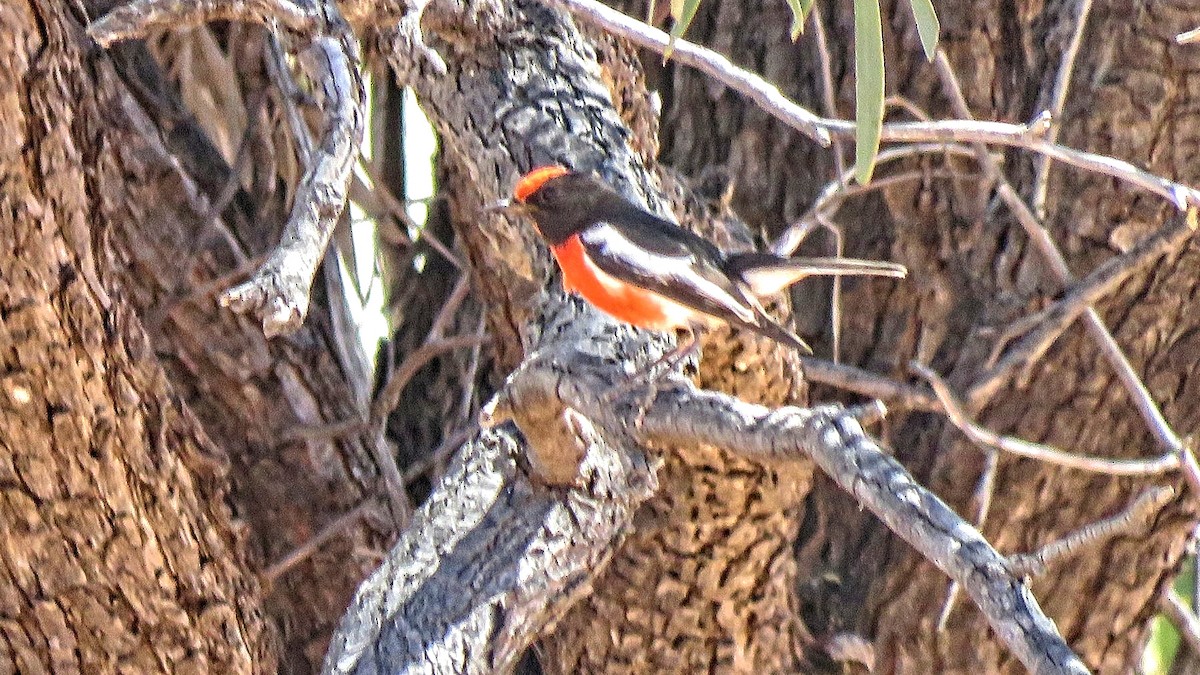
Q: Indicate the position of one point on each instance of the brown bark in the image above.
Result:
(127, 395)
(119, 551)
(201, 408)
(972, 273)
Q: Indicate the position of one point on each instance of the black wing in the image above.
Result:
(666, 259)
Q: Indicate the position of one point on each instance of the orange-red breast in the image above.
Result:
(652, 273)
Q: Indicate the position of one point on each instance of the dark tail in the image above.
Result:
(766, 274)
(767, 327)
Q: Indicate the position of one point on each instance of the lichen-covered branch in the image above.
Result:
(494, 558)
(683, 416)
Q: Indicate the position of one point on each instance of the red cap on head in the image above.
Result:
(533, 181)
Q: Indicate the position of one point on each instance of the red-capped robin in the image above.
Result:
(651, 273)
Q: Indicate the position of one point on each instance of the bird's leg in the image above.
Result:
(650, 375)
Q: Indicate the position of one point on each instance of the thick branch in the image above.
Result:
(682, 416)
(838, 445)
(494, 557)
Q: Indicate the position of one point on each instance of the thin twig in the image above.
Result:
(750, 85)
(865, 383)
(324, 432)
(1058, 99)
(1181, 615)
(835, 192)
(1186, 38)
(1112, 467)
(304, 551)
(1133, 518)
(470, 391)
(446, 314)
(1030, 136)
(828, 100)
(1055, 319)
(394, 207)
(985, 489)
(439, 455)
(389, 396)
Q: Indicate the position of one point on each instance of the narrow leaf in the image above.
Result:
(927, 25)
(868, 86)
(682, 20)
(800, 9)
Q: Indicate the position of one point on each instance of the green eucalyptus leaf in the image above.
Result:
(682, 21)
(800, 9)
(927, 25)
(868, 86)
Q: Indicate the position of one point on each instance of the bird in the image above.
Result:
(649, 272)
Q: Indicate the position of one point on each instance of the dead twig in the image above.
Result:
(828, 100)
(302, 552)
(1133, 518)
(871, 385)
(389, 396)
(1045, 245)
(1058, 99)
(278, 294)
(1112, 467)
(1054, 320)
(766, 95)
(1187, 38)
(1030, 136)
(833, 195)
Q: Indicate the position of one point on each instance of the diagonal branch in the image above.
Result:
(1082, 295)
(1134, 517)
(681, 416)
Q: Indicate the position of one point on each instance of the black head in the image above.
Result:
(564, 202)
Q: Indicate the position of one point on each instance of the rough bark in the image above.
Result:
(123, 378)
(157, 228)
(972, 273)
(119, 551)
(706, 578)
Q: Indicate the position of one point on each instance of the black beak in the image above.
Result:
(505, 206)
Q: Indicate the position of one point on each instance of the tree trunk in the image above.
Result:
(153, 464)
